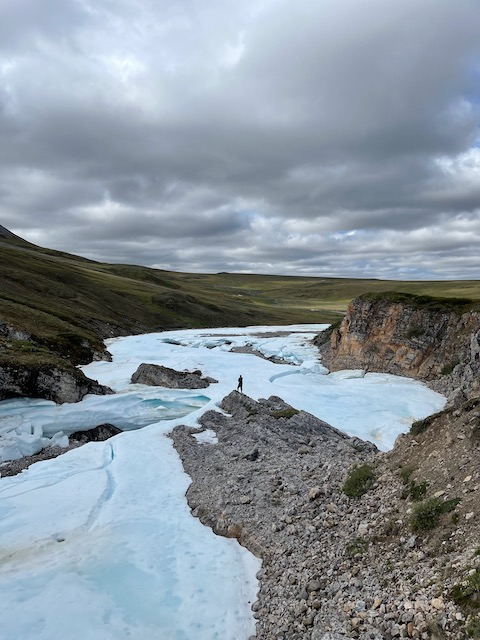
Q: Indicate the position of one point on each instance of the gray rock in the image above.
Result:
(47, 381)
(252, 455)
(97, 434)
(157, 375)
(314, 585)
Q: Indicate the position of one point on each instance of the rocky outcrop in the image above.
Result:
(333, 567)
(49, 382)
(437, 341)
(97, 434)
(11, 333)
(158, 376)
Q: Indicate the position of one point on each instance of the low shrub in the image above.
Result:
(418, 491)
(419, 426)
(360, 479)
(426, 514)
(415, 331)
(473, 628)
(435, 630)
(467, 593)
(28, 346)
(412, 490)
(358, 546)
(448, 368)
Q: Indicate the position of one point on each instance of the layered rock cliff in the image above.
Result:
(434, 340)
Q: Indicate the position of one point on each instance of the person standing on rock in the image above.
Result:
(240, 384)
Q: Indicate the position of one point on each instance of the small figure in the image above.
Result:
(240, 384)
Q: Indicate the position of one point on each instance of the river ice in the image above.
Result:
(99, 543)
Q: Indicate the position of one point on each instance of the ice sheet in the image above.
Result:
(100, 543)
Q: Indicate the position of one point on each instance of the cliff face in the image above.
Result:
(434, 341)
(49, 382)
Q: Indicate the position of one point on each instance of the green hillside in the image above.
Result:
(65, 305)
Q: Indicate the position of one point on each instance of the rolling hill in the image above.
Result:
(58, 306)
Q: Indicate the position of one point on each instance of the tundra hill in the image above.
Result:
(60, 305)
(57, 308)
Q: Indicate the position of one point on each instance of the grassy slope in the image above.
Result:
(63, 300)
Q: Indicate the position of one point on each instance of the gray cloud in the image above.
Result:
(325, 138)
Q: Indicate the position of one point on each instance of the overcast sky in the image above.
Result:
(302, 137)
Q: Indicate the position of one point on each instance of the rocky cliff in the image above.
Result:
(47, 381)
(435, 340)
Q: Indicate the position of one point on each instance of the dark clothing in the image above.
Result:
(240, 384)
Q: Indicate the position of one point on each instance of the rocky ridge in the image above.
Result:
(333, 567)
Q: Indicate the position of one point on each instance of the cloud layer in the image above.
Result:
(331, 137)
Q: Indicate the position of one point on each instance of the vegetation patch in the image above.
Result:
(357, 547)
(435, 630)
(467, 593)
(430, 303)
(415, 331)
(405, 474)
(472, 403)
(473, 627)
(360, 480)
(416, 491)
(27, 346)
(426, 515)
(448, 368)
(285, 413)
(419, 426)
(413, 490)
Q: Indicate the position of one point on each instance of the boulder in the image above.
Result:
(97, 434)
(157, 376)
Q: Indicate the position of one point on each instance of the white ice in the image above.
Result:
(208, 436)
(99, 543)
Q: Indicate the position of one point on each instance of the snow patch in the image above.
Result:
(206, 437)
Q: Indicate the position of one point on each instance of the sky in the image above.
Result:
(298, 137)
